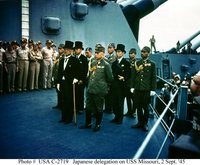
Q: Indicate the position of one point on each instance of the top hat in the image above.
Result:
(78, 45)
(69, 45)
(120, 47)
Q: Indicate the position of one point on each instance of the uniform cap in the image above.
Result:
(30, 41)
(146, 49)
(23, 40)
(111, 45)
(99, 48)
(61, 46)
(88, 49)
(48, 42)
(132, 50)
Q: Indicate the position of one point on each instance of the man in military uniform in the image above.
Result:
(100, 75)
(110, 57)
(80, 86)
(144, 86)
(68, 74)
(22, 65)
(61, 49)
(129, 97)
(121, 73)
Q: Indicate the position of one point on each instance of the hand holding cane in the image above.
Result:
(74, 100)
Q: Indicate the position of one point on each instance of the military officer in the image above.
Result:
(100, 75)
(129, 98)
(22, 65)
(111, 57)
(61, 49)
(121, 72)
(144, 86)
(68, 74)
(80, 86)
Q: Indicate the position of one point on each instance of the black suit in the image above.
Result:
(83, 70)
(65, 79)
(120, 87)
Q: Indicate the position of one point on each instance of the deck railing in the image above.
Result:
(177, 91)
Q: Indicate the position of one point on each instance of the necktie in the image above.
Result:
(65, 62)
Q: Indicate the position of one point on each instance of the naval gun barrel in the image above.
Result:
(182, 44)
(196, 45)
(134, 10)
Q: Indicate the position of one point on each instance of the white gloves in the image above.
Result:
(74, 81)
(58, 87)
(132, 90)
(152, 93)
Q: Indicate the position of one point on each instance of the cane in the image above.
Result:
(74, 100)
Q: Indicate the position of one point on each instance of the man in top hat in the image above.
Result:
(68, 74)
(144, 86)
(121, 72)
(100, 75)
(80, 86)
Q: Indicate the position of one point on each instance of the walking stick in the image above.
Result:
(74, 100)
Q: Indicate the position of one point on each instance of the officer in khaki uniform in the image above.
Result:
(144, 86)
(100, 75)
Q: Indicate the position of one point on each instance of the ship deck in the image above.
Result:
(29, 129)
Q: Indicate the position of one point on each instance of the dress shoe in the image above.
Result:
(138, 125)
(113, 121)
(86, 126)
(67, 122)
(145, 127)
(108, 111)
(55, 107)
(96, 128)
(61, 121)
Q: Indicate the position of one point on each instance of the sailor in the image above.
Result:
(22, 65)
(143, 86)
(121, 73)
(47, 53)
(10, 60)
(100, 75)
(35, 57)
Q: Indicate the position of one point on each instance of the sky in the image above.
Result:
(172, 21)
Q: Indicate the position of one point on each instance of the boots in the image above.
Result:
(99, 116)
(88, 121)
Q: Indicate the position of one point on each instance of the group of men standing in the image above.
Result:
(26, 66)
(108, 80)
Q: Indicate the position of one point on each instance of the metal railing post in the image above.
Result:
(182, 103)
